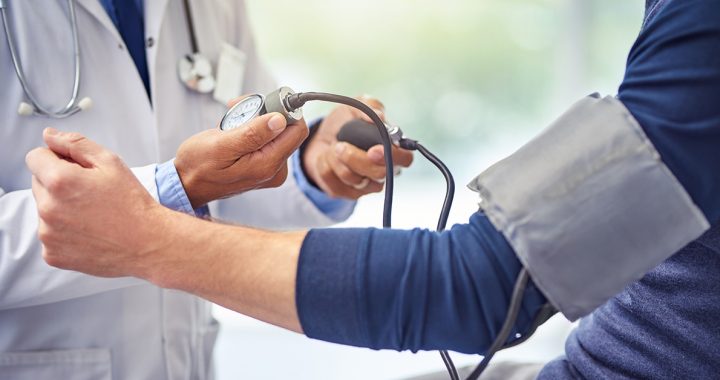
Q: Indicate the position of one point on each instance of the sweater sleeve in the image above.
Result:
(672, 88)
(410, 290)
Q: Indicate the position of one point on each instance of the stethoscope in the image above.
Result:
(34, 107)
(195, 70)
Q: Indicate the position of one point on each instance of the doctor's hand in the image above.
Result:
(95, 216)
(217, 164)
(342, 170)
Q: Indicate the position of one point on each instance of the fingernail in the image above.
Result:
(277, 123)
(51, 131)
(339, 148)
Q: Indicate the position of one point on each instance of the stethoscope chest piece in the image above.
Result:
(196, 73)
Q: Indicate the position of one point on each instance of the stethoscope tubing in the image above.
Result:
(71, 107)
(191, 27)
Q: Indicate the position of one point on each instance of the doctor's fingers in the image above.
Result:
(277, 180)
(400, 157)
(377, 106)
(43, 201)
(271, 155)
(51, 171)
(52, 209)
(350, 177)
(334, 187)
(255, 134)
(78, 148)
(371, 101)
(277, 151)
(365, 163)
(271, 158)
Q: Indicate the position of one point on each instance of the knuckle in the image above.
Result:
(44, 233)
(54, 182)
(52, 258)
(30, 156)
(43, 210)
(74, 136)
(115, 159)
(48, 212)
(109, 157)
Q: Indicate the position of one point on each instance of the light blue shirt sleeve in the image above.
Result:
(171, 192)
(337, 209)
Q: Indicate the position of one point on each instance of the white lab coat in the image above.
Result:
(57, 324)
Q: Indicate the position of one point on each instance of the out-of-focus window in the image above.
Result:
(473, 80)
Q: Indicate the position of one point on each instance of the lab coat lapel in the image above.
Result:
(154, 14)
(155, 11)
(95, 9)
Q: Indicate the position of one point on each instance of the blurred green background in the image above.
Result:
(451, 72)
(473, 80)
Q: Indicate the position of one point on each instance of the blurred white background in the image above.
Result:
(473, 80)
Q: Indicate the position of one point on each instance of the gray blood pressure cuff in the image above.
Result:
(588, 206)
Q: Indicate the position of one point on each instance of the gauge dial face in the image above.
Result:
(242, 112)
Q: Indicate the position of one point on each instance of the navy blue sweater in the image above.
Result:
(421, 290)
(667, 325)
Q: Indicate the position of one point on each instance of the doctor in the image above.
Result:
(60, 324)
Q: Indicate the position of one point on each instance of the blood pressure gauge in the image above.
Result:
(256, 105)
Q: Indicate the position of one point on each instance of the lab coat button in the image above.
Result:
(150, 42)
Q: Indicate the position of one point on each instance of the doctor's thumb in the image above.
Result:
(258, 132)
(73, 146)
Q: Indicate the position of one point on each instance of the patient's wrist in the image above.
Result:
(168, 238)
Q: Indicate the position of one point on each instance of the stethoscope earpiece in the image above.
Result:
(25, 109)
(85, 104)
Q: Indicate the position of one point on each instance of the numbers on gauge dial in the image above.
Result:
(242, 112)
